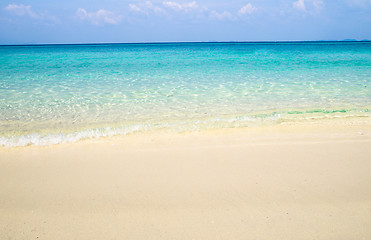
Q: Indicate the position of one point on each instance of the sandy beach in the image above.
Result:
(309, 180)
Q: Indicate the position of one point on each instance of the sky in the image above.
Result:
(93, 21)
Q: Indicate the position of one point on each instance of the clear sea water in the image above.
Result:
(52, 94)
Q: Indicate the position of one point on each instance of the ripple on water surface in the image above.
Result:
(63, 93)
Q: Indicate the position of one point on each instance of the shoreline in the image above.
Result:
(304, 180)
(139, 135)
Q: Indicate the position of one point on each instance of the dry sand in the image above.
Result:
(296, 181)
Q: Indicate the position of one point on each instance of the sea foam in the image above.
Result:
(52, 139)
(177, 126)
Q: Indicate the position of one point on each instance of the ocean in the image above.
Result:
(51, 94)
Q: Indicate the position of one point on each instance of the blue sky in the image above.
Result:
(82, 21)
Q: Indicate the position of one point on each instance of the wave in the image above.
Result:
(247, 120)
(52, 139)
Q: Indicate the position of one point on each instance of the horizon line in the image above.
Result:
(170, 42)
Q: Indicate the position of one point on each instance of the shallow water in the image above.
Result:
(60, 93)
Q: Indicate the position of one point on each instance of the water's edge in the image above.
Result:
(192, 125)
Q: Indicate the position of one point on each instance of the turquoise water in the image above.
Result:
(61, 93)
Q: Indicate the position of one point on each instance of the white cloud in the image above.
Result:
(100, 17)
(318, 5)
(359, 3)
(181, 7)
(146, 8)
(300, 5)
(134, 8)
(248, 8)
(25, 10)
(21, 10)
(186, 10)
(309, 6)
(221, 16)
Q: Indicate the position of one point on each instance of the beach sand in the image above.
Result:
(309, 180)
